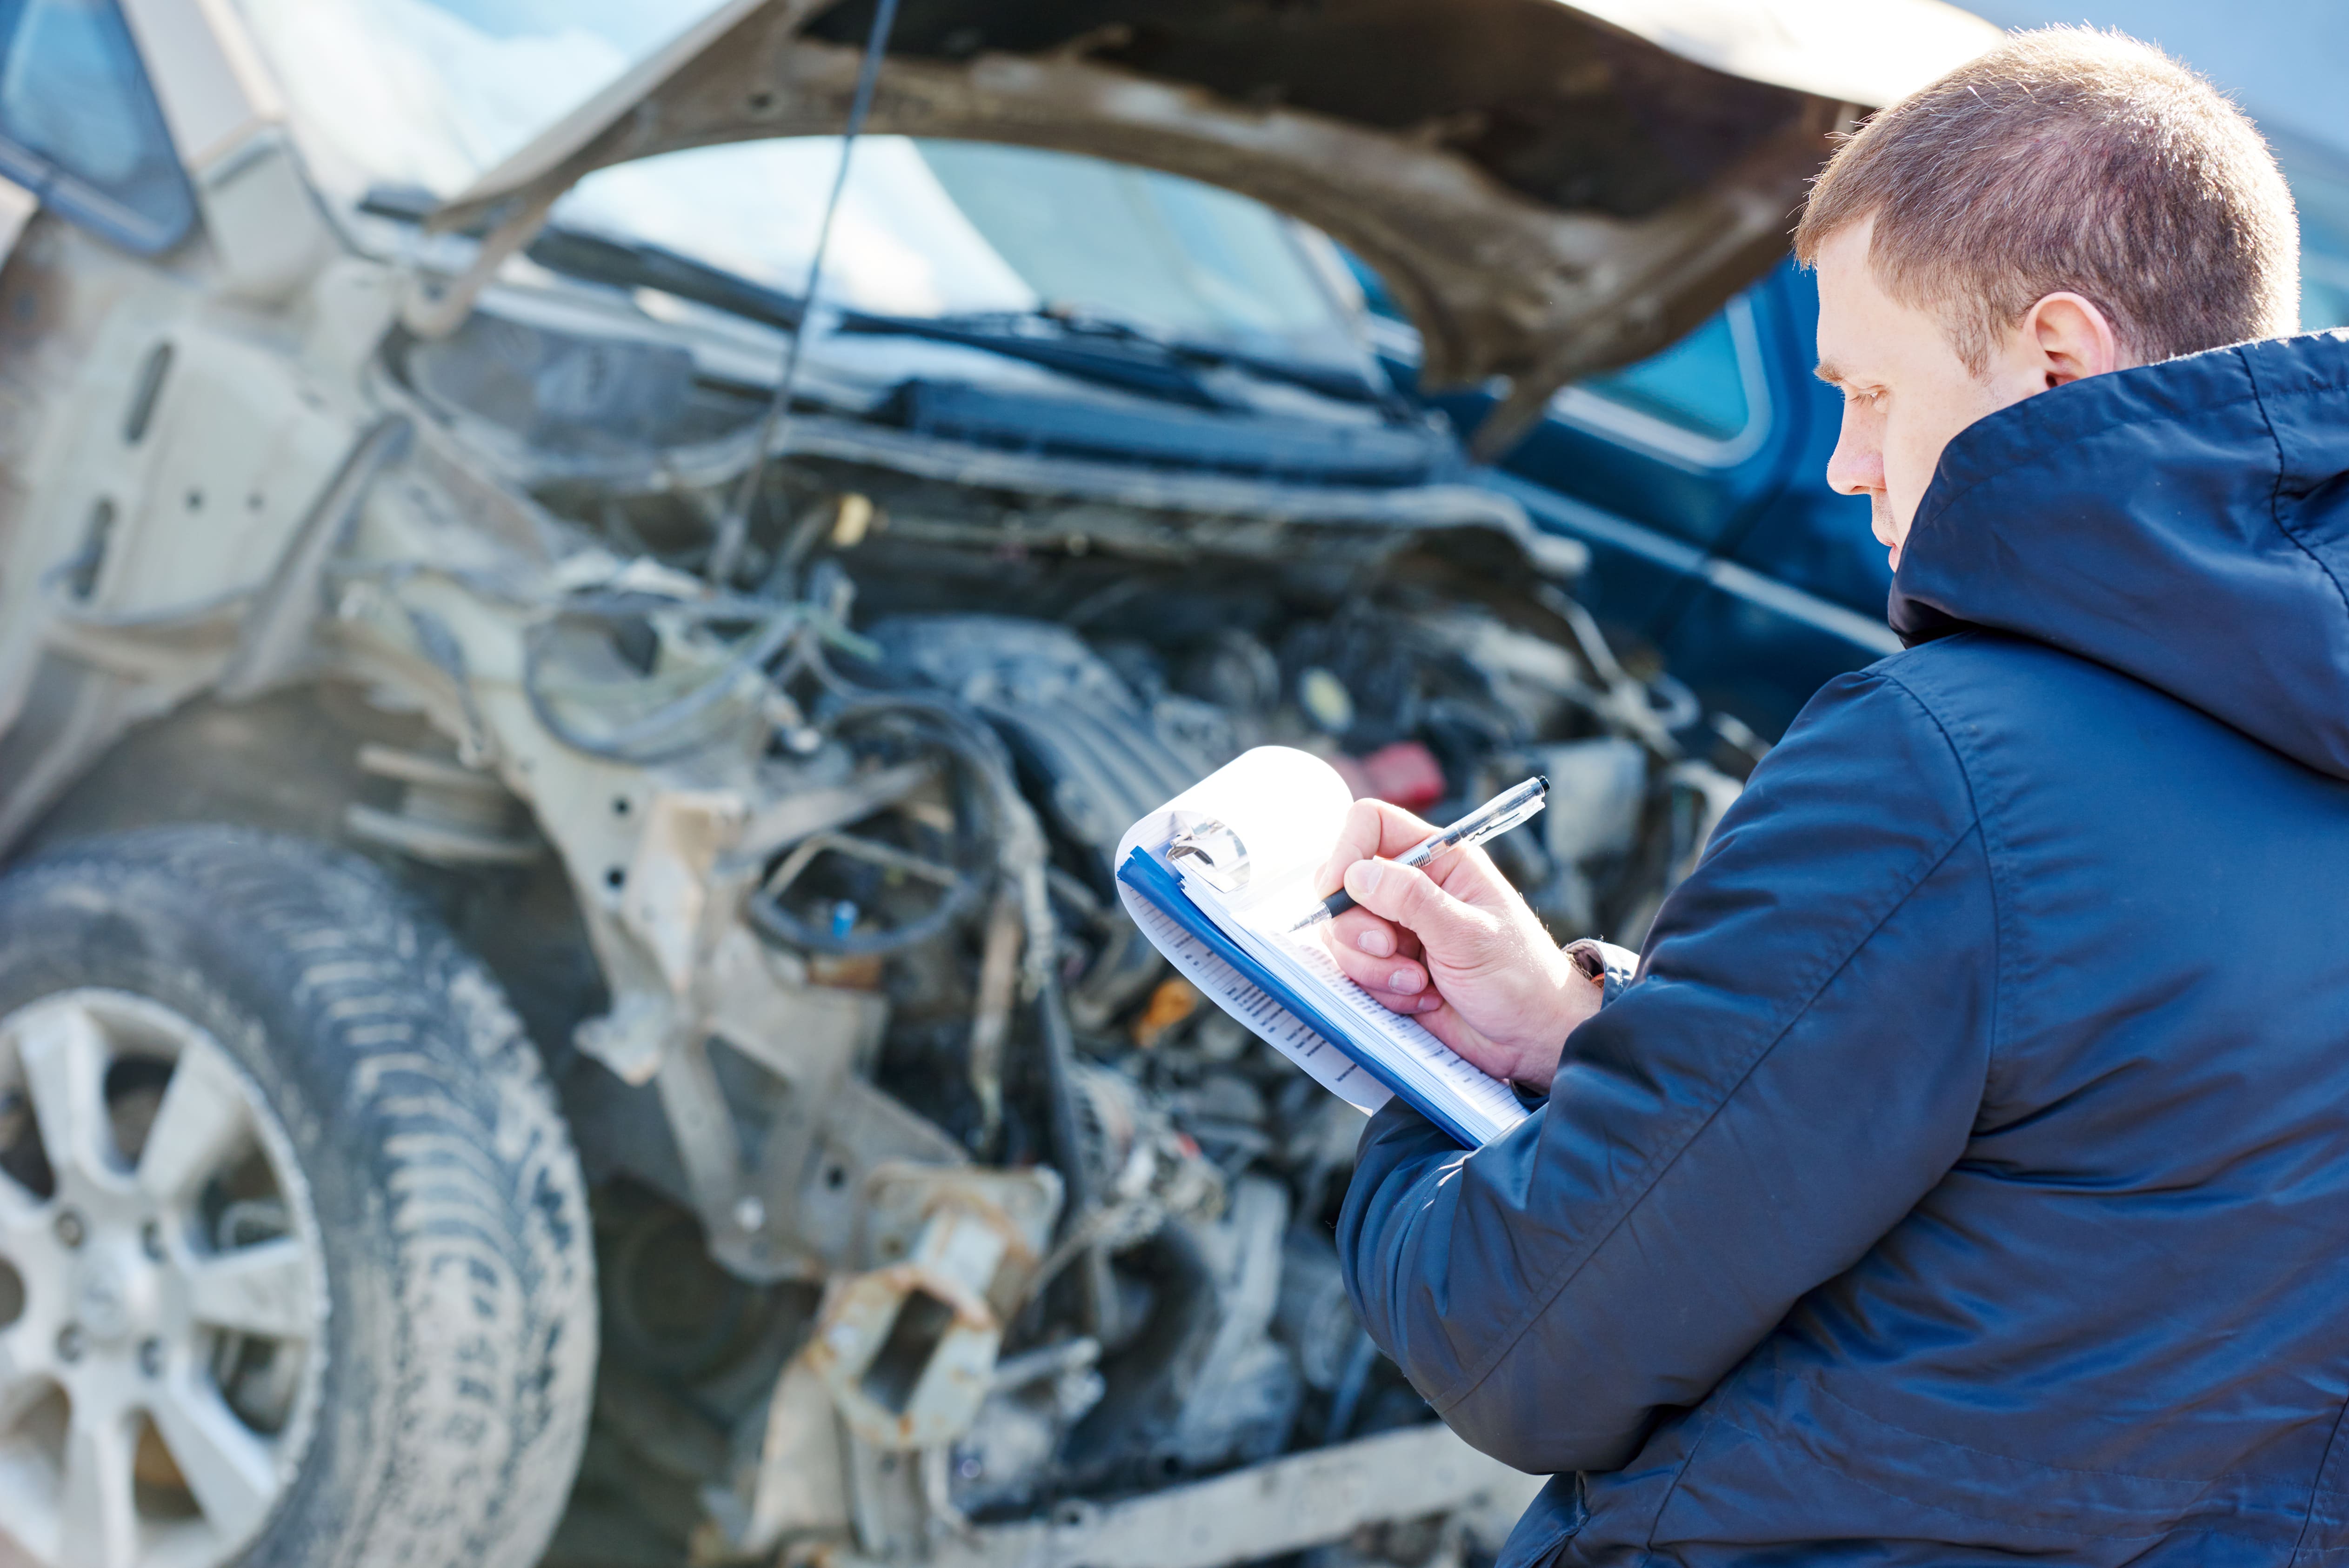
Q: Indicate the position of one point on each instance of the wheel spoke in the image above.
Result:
(24, 1369)
(226, 1466)
(64, 1057)
(202, 1117)
(260, 1290)
(99, 1517)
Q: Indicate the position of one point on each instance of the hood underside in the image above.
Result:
(1548, 189)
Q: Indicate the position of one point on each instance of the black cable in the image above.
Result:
(734, 528)
(653, 736)
(986, 775)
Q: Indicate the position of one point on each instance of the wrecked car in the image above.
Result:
(559, 782)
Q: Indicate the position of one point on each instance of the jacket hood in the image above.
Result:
(2186, 523)
(1547, 188)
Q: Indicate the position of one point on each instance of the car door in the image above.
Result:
(1667, 456)
(1792, 591)
(1697, 476)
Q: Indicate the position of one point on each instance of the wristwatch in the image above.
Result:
(1605, 965)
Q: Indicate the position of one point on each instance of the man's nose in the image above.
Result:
(1856, 465)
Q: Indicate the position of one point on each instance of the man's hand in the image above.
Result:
(1453, 945)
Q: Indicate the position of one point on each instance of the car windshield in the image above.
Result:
(959, 228)
(430, 94)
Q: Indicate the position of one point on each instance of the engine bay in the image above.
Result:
(971, 669)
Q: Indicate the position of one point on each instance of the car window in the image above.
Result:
(1703, 398)
(1700, 403)
(1134, 244)
(79, 125)
(900, 245)
(434, 93)
(431, 93)
(1697, 385)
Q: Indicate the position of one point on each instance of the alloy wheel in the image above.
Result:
(162, 1291)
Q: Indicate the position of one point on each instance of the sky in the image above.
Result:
(2286, 62)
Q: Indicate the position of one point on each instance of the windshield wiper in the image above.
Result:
(1344, 383)
(1331, 381)
(1068, 342)
(626, 264)
(1140, 367)
(622, 263)
(1109, 353)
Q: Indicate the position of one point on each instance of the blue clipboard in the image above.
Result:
(1148, 876)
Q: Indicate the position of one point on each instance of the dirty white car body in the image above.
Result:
(933, 1224)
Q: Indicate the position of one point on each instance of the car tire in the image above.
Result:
(363, 1091)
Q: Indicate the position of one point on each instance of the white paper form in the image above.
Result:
(1271, 796)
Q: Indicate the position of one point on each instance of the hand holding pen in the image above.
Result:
(1452, 944)
(1496, 815)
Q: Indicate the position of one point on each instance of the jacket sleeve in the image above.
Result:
(1613, 968)
(1801, 1059)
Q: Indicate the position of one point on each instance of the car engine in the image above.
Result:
(974, 681)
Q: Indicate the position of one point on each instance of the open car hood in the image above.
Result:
(1547, 188)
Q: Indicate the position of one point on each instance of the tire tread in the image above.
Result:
(417, 1064)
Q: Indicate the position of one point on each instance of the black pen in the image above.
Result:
(1490, 821)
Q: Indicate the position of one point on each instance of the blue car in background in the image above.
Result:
(1697, 476)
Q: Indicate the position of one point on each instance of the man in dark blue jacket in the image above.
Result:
(1962, 1176)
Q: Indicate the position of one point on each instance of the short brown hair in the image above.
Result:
(2073, 160)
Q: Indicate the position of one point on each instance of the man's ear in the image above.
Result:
(2069, 337)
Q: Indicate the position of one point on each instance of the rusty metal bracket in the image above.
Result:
(908, 1348)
